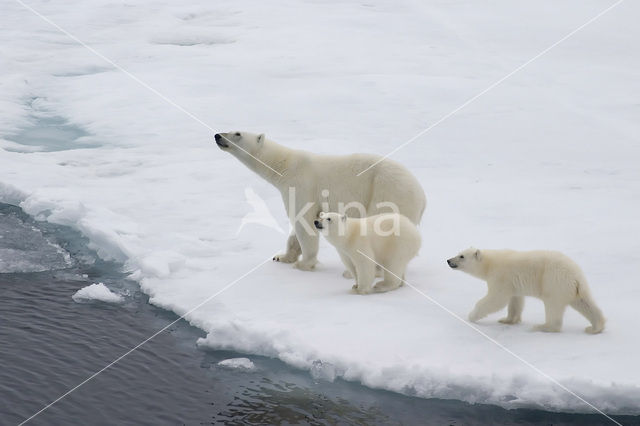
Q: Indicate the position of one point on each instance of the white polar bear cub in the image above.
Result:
(547, 275)
(310, 183)
(389, 239)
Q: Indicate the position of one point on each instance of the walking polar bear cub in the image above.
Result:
(310, 183)
(389, 239)
(511, 275)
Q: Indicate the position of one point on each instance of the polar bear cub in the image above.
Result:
(390, 240)
(547, 275)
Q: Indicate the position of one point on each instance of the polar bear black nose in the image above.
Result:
(218, 137)
(317, 224)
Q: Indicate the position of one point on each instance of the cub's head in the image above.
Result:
(468, 261)
(239, 143)
(330, 223)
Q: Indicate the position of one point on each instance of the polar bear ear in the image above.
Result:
(261, 138)
(321, 215)
(477, 254)
(344, 218)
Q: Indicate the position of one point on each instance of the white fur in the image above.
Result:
(389, 239)
(547, 275)
(311, 173)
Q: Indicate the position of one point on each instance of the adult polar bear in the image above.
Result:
(310, 183)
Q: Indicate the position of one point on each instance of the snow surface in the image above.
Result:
(547, 159)
(98, 292)
(237, 364)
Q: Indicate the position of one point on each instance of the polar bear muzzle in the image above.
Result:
(220, 141)
(452, 263)
(317, 224)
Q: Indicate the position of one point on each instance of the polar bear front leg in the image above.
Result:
(489, 304)
(293, 250)
(351, 268)
(514, 313)
(309, 242)
(393, 276)
(365, 273)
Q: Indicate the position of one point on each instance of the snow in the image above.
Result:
(98, 292)
(547, 159)
(237, 364)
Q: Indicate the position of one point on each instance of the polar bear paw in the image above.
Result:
(593, 330)
(285, 258)
(347, 274)
(547, 328)
(383, 286)
(360, 290)
(509, 320)
(473, 316)
(305, 265)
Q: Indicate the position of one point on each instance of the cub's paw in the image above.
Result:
(593, 330)
(285, 258)
(473, 316)
(508, 320)
(383, 286)
(546, 328)
(305, 265)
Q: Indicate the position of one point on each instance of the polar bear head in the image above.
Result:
(330, 223)
(468, 261)
(242, 145)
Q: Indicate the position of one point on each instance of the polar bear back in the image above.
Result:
(387, 183)
(535, 273)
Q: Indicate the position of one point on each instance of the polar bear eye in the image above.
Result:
(237, 133)
(328, 219)
(461, 257)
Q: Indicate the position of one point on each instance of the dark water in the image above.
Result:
(49, 344)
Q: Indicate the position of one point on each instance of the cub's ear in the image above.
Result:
(321, 215)
(261, 138)
(478, 255)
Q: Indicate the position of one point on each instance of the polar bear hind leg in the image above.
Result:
(591, 312)
(514, 313)
(554, 312)
(393, 274)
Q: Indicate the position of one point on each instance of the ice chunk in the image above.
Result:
(238, 364)
(97, 292)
